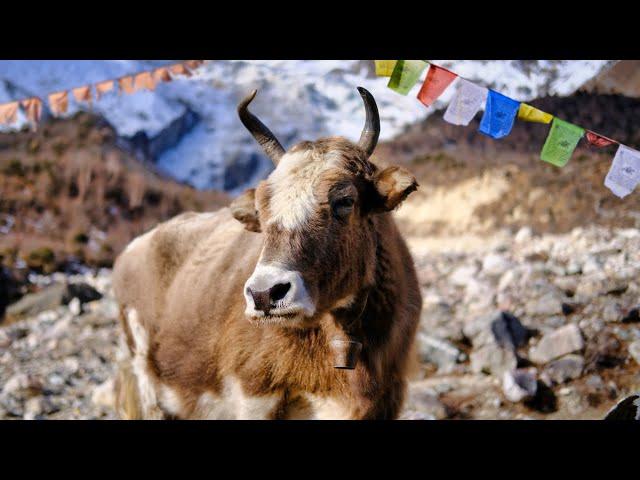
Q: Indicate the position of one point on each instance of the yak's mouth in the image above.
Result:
(276, 316)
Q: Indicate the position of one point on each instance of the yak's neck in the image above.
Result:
(377, 317)
(371, 314)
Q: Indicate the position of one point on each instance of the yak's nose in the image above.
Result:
(275, 290)
(265, 300)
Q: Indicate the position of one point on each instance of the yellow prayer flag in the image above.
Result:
(384, 68)
(532, 114)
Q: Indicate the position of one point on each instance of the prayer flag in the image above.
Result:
(499, 114)
(33, 110)
(465, 103)
(179, 69)
(562, 141)
(437, 81)
(58, 102)
(405, 75)
(103, 87)
(144, 81)
(598, 140)
(161, 75)
(624, 174)
(532, 114)
(8, 112)
(82, 94)
(384, 68)
(193, 64)
(126, 84)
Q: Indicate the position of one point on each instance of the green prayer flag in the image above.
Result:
(562, 141)
(405, 75)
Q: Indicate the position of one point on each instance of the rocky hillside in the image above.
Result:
(70, 197)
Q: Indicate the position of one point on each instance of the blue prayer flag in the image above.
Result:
(499, 115)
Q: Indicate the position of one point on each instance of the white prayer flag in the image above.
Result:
(466, 102)
(624, 174)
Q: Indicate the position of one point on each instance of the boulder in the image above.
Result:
(564, 340)
(519, 385)
(50, 298)
(35, 303)
(439, 352)
(547, 305)
(564, 369)
(492, 359)
(634, 350)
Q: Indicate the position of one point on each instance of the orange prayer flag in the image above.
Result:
(193, 64)
(143, 81)
(161, 75)
(126, 84)
(8, 113)
(58, 102)
(33, 110)
(179, 69)
(103, 87)
(438, 79)
(82, 94)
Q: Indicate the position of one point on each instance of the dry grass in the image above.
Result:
(67, 192)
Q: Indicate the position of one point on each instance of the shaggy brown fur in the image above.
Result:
(185, 280)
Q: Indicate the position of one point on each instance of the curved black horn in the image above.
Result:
(371, 131)
(260, 132)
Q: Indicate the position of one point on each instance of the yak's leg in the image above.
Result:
(136, 396)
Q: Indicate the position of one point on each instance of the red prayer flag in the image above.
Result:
(437, 81)
(598, 140)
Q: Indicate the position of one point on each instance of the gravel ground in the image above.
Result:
(513, 326)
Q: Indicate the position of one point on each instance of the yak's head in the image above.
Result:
(316, 212)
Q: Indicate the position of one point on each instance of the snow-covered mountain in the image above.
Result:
(189, 127)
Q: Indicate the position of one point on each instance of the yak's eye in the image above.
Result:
(341, 207)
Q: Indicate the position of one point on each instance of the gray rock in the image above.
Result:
(462, 275)
(75, 307)
(564, 340)
(5, 339)
(33, 408)
(492, 359)
(564, 369)
(508, 332)
(34, 303)
(547, 305)
(82, 291)
(439, 352)
(519, 385)
(524, 235)
(500, 327)
(49, 298)
(494, 265)
(21, 383)
(634, 350)
(424, 400)
(612, 312)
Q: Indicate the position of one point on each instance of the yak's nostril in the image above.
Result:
(278, 292)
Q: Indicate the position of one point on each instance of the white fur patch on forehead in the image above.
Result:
(291, 186)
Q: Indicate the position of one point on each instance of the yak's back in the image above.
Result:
(146, 268)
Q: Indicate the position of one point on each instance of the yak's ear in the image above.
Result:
(244, 210)
(392, 185)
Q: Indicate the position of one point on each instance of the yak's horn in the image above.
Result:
(371, 130)
(260, 132)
